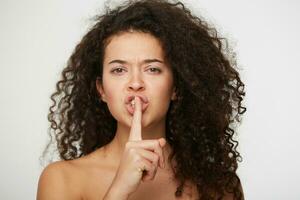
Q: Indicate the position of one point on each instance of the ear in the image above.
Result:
(100, 89)
(174, 96)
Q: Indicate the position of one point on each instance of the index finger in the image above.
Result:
(136, 123)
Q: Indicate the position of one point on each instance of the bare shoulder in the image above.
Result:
(55, 182)
(75, 179)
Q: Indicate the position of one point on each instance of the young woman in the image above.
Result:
(144, 110)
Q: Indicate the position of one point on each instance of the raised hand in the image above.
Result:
(140, 158)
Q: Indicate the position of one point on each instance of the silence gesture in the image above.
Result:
(140, 158)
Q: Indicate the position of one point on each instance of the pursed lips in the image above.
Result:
(130, 108)
(131, 97)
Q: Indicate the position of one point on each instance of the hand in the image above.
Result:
(140, 158)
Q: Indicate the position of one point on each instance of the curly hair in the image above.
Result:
(198, 124)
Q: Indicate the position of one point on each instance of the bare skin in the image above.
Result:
(96, 175)
(113, 171)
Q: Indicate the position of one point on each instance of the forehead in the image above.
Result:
(133, 45)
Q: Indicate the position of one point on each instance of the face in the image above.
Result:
(134, 64)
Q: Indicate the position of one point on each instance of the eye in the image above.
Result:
(117, 70)
(155, 70)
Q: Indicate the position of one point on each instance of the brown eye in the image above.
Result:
(117, 70)
(154, 70)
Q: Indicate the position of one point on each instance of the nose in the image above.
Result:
(136, 82)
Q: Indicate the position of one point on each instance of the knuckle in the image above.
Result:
(128, 145)
(156, 158)
(154, 168)
(137, 158)
(156, 143)
(132, 150)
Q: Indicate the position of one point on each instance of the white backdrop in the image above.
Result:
(37, 37)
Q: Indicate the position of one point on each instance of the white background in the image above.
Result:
(37, 37)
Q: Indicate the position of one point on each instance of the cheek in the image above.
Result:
(111, 89)
(164, 88)
(162, 96)
(113, 97)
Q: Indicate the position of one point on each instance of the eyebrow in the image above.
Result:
(143, 62)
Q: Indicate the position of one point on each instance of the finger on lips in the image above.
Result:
(136, 129)
(136, 133)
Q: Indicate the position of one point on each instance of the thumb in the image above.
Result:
(162, 142)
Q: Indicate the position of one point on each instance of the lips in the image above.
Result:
(130, 108)
(131, 97)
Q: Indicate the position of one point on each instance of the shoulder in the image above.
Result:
(73, 178)
(57, 181)
(59, 170)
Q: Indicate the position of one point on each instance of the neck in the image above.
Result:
(117, 145)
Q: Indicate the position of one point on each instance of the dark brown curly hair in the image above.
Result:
(199, 123)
